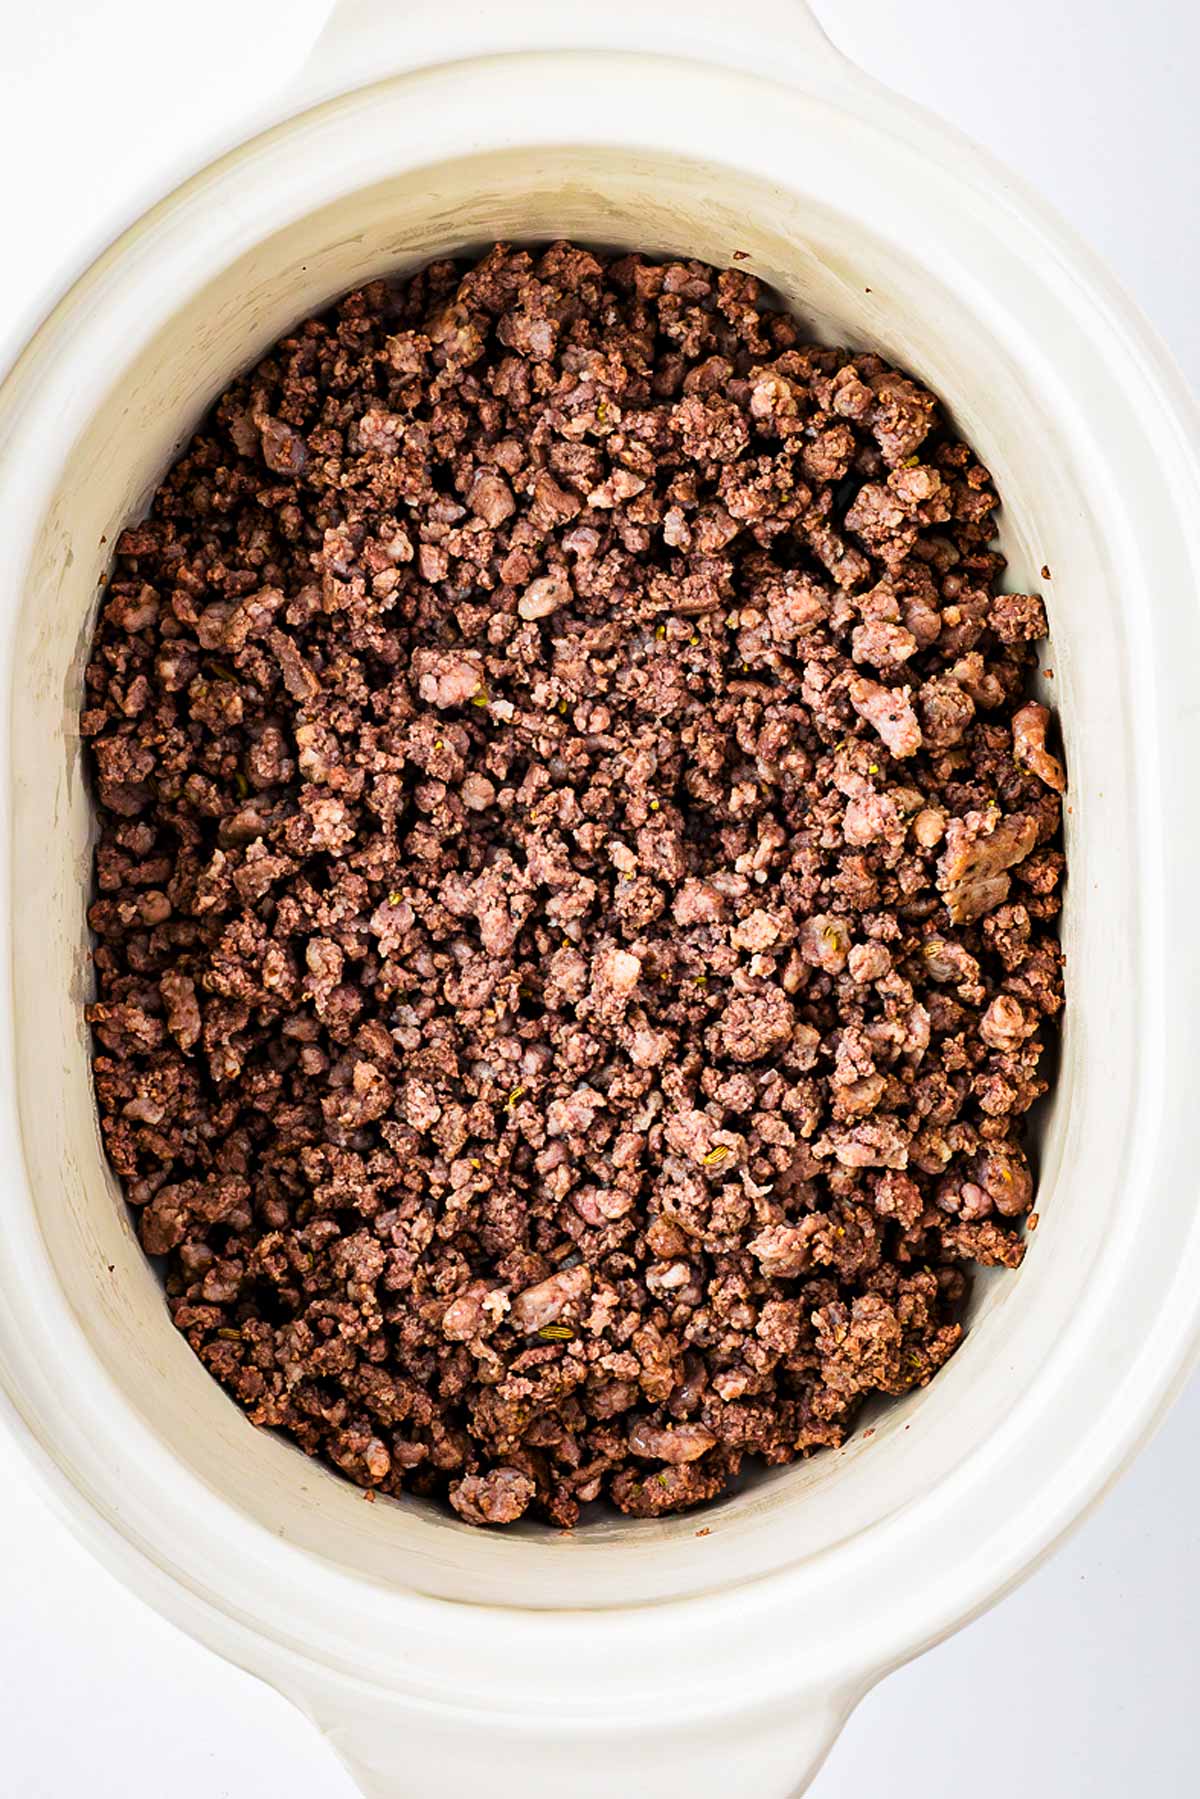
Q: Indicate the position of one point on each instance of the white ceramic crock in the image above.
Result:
(707, 1655)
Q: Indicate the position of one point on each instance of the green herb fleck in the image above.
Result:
(556, 1333)
(395, 896)
(481, 698)
(230, 1336)
(241, 785)
(513, 1097)
(716, 1155)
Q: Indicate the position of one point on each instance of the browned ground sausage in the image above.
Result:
(575, 886)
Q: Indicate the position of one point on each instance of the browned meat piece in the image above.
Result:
(946, 713)
(670, 1489)
(903, 416)
(859, 1349)
(980, 848)
(889, 710)
(491, 498)
(755, 1025)
(542, 598)
(678, 1443)
(445, 680)
(500, 1497)
(183, 1008)
(882, 643)
(984, 1242)
(558, 1297)
(1004, 1025)
(784, 1251)
(1018, 617)
(284, 450)
(879, 520)
(1029, 746)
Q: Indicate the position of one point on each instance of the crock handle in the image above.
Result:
(364, 41)
(396, 1750)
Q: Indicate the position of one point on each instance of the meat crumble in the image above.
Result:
(576, 882)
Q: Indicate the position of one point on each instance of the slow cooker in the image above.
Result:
(710, 1654)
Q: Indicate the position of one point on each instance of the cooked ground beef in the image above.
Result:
(575, 887)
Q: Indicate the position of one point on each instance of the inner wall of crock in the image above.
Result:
(848, 285)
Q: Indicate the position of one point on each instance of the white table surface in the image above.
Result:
(1083, 1684)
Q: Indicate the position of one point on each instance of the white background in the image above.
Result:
(1084, 1682)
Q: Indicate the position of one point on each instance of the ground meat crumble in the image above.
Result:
(576, 885)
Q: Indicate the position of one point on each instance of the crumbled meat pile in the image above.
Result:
(575, 887)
